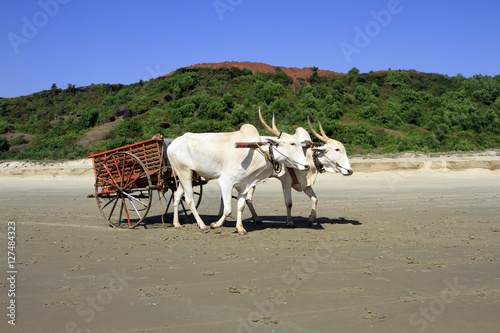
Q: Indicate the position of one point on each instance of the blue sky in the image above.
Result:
(83, 42)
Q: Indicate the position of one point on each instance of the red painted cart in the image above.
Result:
(127, 177)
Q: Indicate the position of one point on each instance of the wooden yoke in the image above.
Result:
(249, 144)
(256, 145)
(307, 144)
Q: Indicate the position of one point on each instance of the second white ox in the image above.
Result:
(331, 157)
(214, 156)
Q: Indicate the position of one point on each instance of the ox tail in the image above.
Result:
(176, 179)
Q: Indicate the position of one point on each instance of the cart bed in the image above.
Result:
(150, 152)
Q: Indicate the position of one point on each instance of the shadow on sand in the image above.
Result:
(268, 222)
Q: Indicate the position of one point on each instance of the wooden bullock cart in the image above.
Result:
(127, 177)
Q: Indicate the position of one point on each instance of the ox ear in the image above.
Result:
(272, 141)
(320, 149)
(307, 144)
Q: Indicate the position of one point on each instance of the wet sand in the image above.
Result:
(396, 249)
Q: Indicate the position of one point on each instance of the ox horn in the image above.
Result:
(273, 124)
(267, 127)
(321, 129)
(323, 137)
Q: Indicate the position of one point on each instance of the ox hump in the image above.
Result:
(249, 130)
(302, 134)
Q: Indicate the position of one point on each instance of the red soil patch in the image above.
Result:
(293, 72)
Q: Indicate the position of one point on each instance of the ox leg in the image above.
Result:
(187, 184)
(314, 200)
(226, 201)
(287, 194)
(239, 217)
(177, 199)
(249, 201)
(221, 208)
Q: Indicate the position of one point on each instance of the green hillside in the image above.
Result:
(383, 112)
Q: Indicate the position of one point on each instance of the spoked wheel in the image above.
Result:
(121, 189)
(198, 194)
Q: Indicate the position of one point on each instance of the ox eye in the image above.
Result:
(337, 149)
(292, 144)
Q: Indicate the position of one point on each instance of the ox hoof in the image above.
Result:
(214, 225)
(258, 222)
(205, 230)
(177, 227)
(242, 232)
(291, 225)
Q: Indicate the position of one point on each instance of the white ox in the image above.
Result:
(214, 156)
(330, 157)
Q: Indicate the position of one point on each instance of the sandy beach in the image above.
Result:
(408, 243)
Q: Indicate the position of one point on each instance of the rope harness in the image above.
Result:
(289, 160)
(320, 166)
(269, 156)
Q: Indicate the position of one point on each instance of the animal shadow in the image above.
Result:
(268, 222)
(279, 222)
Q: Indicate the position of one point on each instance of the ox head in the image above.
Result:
(332, 154)
(286, 148)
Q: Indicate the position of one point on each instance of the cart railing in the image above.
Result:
(150, 152)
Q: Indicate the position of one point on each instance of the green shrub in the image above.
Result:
(179, 84)
(353, 71)
(4, 144)
(464, 145)
(268, 92)
(370, 111)
(333, 111)
(129, 127)
(397, 79)
(239, 116)
(110, 144)
(309, 101)
(280, 106)
(364, 96)
(228, 99)
(4, 126)
(281, 78)
(88, 118)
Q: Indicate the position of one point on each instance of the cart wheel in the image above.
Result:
(198, 194)
(121, 190)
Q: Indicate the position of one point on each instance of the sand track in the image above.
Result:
(406, 244)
